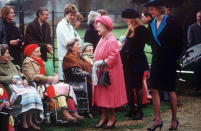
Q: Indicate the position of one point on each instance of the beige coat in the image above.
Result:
(31, 69)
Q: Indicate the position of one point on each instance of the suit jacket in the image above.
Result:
(194, 34)
(35, 34)
(31, 69)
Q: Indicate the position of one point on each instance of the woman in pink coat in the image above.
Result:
(107, 53)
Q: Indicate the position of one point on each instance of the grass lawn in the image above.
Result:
(88, 124)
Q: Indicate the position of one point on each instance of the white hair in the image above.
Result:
(92, 17)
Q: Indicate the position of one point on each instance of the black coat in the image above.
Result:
(12, 33)
(2, 33)
(91, 36)
(132, 53)
(35, 34)
(164, 60)
(171, 44)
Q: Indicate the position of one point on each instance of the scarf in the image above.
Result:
(42, 65)
(71, 60)
(88, 55)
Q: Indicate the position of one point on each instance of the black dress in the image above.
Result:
(12, 33)
(165, 55)
(134, 64)
(133, 58)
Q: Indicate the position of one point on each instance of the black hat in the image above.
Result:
(129, 13)
(155, 3)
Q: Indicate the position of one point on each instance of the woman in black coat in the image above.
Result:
(2, 32)
(134, 61)
(13, 37)
(166, 47)
(91, 34)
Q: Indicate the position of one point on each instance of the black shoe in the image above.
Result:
(101, 125)
(138, 116)
(111, 126)
(175, 127)
(159, 125)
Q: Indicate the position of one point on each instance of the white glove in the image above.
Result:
(94, 75)
(99, 63)
(94, 69)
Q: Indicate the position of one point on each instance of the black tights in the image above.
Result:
(133, 81)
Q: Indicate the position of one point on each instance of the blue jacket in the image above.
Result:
(2, 33)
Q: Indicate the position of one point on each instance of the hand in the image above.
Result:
(56, 78)
(25, 83)
(50, 79)
(53, 79)
(14, 42)
(50, 48)
(14, 81)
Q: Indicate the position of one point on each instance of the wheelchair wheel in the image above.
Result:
(48, 119)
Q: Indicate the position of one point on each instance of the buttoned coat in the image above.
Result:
(35, 34)
(165, 55)
(2, 33)
(114, 95)
(31, 70)
(13, 33)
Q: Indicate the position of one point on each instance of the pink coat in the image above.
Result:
(114, 95)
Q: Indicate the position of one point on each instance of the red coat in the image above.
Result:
(112, 96)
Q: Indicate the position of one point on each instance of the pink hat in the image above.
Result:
(106, 20)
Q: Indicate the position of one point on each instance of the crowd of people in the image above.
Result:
(115, 71)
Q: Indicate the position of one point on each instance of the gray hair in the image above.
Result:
(92, 17)
(3, 48)
(71, 44)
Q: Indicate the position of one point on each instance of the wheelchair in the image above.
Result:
(82, 95)
(52, 111)
(14, 110)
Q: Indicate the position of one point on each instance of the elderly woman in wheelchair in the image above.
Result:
(34, 69)
(76, 69)
(18, 85)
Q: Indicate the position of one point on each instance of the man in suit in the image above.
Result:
(194, 38)
(38, 31)
(194, 31)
